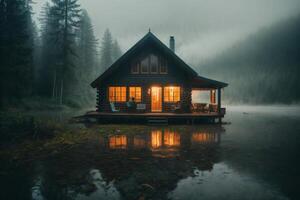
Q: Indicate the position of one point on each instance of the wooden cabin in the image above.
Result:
(160, 84)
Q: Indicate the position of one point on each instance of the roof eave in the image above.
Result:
(209, 83)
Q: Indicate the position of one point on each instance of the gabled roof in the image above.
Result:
(148, 38)
(151, 38)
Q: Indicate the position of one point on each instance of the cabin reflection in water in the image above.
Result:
(156, 139)
(162, 140)
(166, 138)
(139, 142)
(171, 138)
(118, 142)
(204, 138)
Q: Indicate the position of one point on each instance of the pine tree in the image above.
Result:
(87, 44)
(62, 25)
(106, 50)
(16, 48)
(3, 67)
(116, 50)
(50, 53)
(87, 51)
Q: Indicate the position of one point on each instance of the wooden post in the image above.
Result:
(98, 100)
(219, 105)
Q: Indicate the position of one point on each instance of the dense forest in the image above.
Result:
(263, 68)
(55, 61)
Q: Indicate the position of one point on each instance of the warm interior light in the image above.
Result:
(156, 139)
(171, 138)
(203, 137)
(172, 94)
(118, 142)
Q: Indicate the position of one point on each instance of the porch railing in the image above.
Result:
(204, 107)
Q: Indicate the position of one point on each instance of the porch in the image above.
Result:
(154, 118)
(161, 103)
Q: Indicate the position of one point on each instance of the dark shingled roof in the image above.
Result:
(202, 82)
(151, 38)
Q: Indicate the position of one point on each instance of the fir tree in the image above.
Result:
(87, 66)
(16, 48)
(87, 44)
(106, 50)
(63, 21)
(116, 50)
(50, 53)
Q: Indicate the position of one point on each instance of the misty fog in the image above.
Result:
(201, 28)
(251, 45)
(150, 127)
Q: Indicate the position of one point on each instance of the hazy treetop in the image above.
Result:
(201, 27)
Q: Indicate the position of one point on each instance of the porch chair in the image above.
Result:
(131, 106)
(113, 108)
(177, 107)
(141, 107)
(213, 108)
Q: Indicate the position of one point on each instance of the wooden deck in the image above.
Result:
(159, 118)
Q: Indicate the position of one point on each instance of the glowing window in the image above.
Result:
(117, 94)
(213, 96)
(136, 93)
(172, 94)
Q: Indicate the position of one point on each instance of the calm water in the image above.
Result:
(256, 156)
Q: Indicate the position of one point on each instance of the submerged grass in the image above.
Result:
(28, 137)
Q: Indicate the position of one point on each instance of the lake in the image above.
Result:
(253, 155)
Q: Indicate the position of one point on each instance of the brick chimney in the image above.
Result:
(172, 43)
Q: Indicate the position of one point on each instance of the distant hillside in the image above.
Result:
(264, 68)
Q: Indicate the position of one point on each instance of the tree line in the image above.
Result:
(262, 69)
(56, 60)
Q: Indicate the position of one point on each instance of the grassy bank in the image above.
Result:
(28, 136)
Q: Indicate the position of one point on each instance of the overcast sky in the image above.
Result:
(201, 28)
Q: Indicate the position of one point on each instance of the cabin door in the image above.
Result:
(156, 99)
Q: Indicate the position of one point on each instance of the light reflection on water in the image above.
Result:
(255, 157)
(102, 190)
(159, 138)
(130, 166)
(36, 190)
(157, 147)
(162, 163)
(161, 142)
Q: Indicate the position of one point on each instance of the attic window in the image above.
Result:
(135, 68)
(145, 65)
(151, 64)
